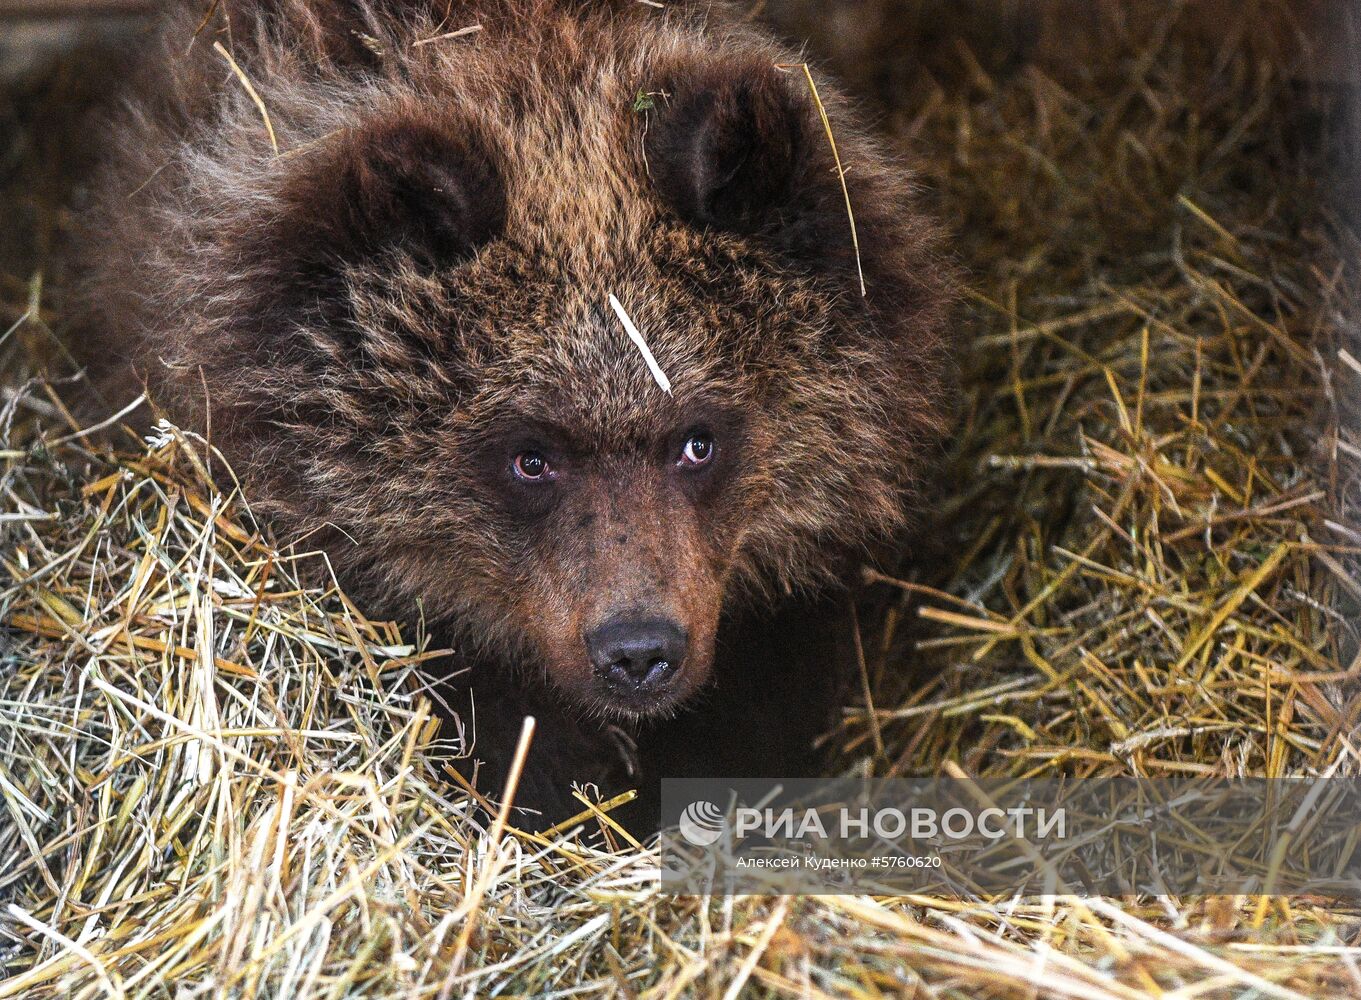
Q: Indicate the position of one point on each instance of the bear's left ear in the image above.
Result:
(725, 143)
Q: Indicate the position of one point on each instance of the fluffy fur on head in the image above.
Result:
(377, 320)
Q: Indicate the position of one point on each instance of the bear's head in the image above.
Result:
(438, 341)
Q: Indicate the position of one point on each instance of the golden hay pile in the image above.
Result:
(216, 782)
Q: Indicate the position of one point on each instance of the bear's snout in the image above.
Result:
(637, 659)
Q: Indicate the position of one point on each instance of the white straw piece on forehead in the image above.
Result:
(641, 344)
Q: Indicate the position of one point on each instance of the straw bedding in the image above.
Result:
(215, 781)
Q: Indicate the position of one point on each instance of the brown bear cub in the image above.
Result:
(389, 253)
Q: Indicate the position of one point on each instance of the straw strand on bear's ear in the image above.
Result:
(840, 170)
(254, 94)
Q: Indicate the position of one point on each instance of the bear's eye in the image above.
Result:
(698, 450)
(531, 466)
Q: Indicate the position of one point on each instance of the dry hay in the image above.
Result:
(215, 781)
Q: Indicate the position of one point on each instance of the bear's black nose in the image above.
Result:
(637, 655)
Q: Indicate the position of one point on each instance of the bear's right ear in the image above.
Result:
(404, 187)
(428, 188)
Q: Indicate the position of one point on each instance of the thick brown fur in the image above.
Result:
(376, 319)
